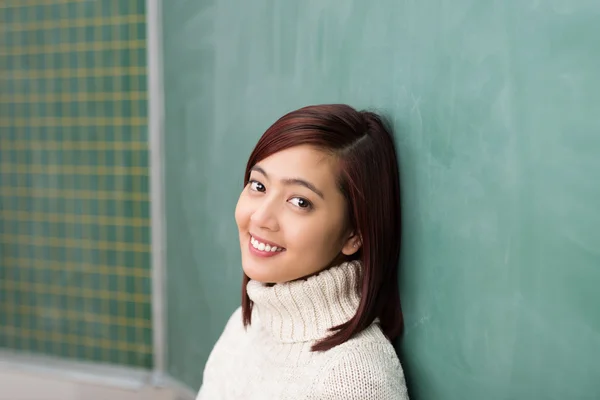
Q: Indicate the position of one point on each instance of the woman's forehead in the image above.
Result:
(301, 162)
(298, 160)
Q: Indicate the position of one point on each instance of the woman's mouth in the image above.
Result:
(263, 248)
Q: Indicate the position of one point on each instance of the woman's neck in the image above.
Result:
(306, 309)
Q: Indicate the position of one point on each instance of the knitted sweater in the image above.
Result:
(272, 360)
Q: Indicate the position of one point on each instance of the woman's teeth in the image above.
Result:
(263, 247)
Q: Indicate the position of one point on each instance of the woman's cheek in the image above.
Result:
(242, 212)
(306, 237)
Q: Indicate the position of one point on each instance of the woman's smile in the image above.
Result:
(263, 248)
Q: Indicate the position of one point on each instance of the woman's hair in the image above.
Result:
(369, 181)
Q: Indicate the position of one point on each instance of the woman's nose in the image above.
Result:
(265, 217)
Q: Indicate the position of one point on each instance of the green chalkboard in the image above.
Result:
(75, 253)
(495, 108)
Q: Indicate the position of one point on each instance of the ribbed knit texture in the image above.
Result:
(272, 360)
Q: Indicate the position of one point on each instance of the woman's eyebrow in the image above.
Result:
(302, 182)
(259, 169)
(292, 181)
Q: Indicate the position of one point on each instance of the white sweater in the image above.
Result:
(271, 360)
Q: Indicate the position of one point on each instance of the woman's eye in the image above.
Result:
(257, 186)
(300, 202)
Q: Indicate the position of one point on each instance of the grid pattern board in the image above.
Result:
(74, 196)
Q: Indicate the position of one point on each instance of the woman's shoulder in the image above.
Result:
(365, 367)
(229, 338)
(235, 318)
(371, 338)
(234, 323)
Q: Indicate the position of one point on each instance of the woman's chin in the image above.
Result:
(257, 272)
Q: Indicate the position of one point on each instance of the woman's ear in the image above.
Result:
(353, 244)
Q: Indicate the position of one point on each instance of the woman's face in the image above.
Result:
(291, 216)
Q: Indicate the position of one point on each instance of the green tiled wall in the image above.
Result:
(74, 199)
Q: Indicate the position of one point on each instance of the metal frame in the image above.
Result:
(157, 210)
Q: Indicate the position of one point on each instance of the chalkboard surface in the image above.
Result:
(74, 200)
(496, 112)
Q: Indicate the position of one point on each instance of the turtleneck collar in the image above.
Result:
(304, 310)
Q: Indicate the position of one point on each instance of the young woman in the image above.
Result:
(319, 230)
